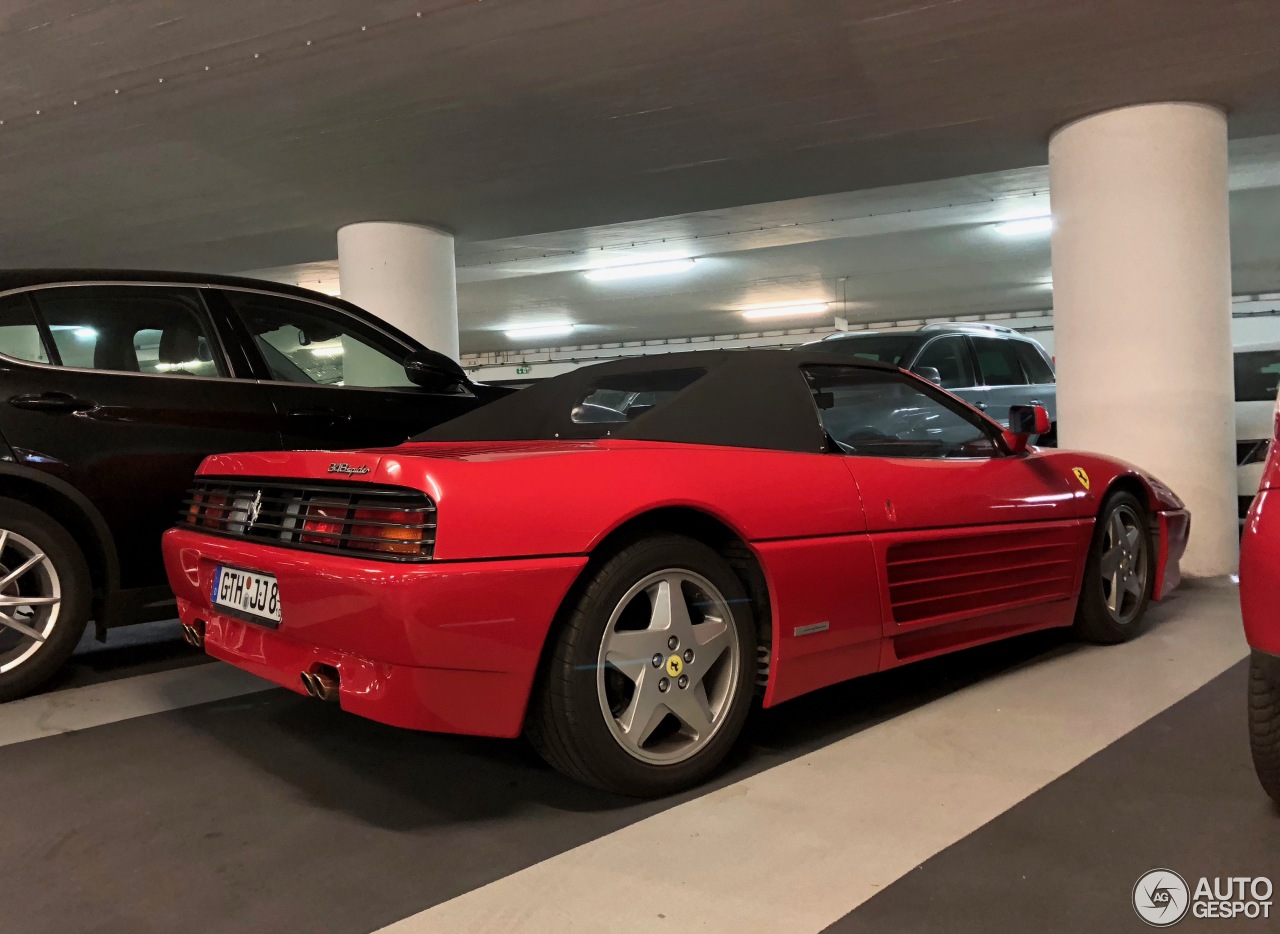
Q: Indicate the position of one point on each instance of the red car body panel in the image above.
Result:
(450, 647)
(869, 562)
(1260, 562)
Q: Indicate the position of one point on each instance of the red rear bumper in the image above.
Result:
(1259, 572)
(449, 647)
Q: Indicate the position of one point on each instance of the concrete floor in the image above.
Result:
(1022, 786)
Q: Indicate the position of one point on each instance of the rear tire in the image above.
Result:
(56, 580)
(649, 678)
(1118, 574)
(1264, 721)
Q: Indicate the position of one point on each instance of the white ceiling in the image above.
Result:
(911, 251)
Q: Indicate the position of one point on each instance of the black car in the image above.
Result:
(115, 385)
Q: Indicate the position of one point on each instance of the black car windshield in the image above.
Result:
(887, 348)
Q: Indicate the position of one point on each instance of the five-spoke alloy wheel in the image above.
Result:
(1124, 566)
(668, 663)
(650, 674)
(44, 598)
(1118, 572)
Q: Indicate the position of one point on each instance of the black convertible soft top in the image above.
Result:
(734, 398)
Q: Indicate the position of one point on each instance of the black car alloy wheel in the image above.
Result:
(30, 599)
(44, 597)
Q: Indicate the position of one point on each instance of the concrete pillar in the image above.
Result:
(404, 274)
(1142, 306)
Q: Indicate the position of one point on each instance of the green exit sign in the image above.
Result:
(522, 370)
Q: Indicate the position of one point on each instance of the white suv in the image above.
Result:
(1257, 369)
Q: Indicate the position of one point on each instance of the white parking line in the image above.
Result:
(800, 845)
(112, 701)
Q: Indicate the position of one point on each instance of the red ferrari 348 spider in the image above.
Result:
(616, 560)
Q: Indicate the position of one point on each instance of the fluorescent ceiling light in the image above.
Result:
(326, 351)
(86, 334)
(667, 267)
(785, 309)
(185, 365)
(1026, 227)
(538, 330)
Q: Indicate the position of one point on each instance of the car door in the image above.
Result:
(1002, 374)
(1042, 388)
(962, 529)
(952, 357)
(122, 392)
(336, 381)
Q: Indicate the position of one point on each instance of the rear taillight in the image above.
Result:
(394, 532)
(393, 523)
(208, 511)
(323, 523)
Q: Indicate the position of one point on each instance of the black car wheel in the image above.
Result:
(1264, 720)
(649, 681)
(1118, 573)
(44, 598)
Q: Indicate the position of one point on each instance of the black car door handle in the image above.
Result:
(55, 403)
(327, 415)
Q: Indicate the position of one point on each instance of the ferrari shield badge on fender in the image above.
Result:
(1082, 476)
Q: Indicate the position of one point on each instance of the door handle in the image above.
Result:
(53, 403)
(326, 415)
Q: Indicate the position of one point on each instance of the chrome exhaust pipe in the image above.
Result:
(309, 684)
(326, 686)
(192, 636)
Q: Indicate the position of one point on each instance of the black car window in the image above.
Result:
(998, 363)
(1257, 375)
(613, 400)
(305, 342)
(130, 329)
(950, 357)
(881, 414)
(1033, 362)
(20, 336)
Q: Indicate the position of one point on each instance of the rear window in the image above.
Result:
(1033, 362)
(19, 334)
(996, 359)
(1257, 375)
(625, 397)
(886, 348)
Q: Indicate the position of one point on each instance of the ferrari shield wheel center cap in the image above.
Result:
(675, 665)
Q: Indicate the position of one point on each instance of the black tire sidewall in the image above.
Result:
(73, 613)
(1093, 619)
(1264, 721)
(605, 756)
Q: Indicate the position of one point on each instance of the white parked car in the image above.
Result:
(1257, 371)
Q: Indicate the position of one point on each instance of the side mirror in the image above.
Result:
(930, 373)
(433, 370)
(1025, 421)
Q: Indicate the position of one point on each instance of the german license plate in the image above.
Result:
(251, 593)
